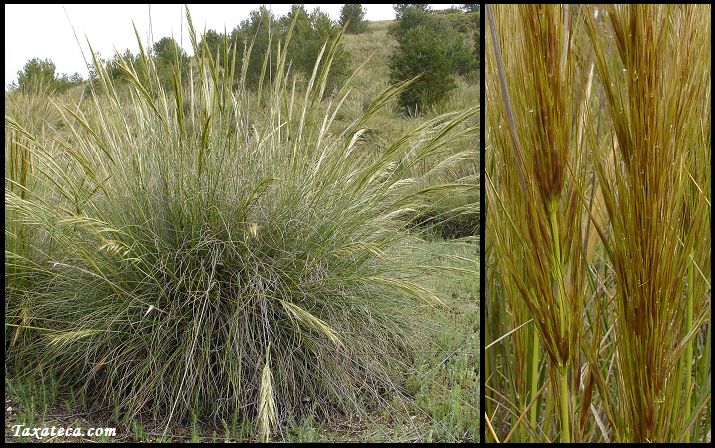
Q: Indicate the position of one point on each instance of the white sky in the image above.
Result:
(44, 31)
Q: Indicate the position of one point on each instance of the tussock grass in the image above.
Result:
(191, 256)
(599, 197)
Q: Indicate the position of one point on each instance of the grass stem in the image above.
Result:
(534, 378)
(556, 268)
(565, 437)
(689, 348)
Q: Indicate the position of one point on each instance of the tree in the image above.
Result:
(401, 7)
(260, 29)
(355, 15)
(39, 76)
(166, 53)
(114, 70)
(409, 18)
(471, 7)
(62, 83)
(76, 79)
(93, 70)
(215, 45)
(36, 73)
(422, 52)
(310, 33)
(477, 45)
(451, 10)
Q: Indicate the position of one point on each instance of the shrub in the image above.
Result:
(421, 52)
(461, 22)
(439, 31)
(458, 51)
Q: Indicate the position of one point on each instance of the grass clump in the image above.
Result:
(191, 255)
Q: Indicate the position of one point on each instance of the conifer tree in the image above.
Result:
(354, 14)
(421, 52)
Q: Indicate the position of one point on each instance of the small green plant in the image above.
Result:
(306, 431)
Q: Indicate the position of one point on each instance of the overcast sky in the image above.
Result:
(45, 32)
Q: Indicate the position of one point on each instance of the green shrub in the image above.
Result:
(461, 22)
(438, 31)
(458, 51)
(421, 52)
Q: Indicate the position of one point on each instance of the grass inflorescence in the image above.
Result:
(599, 205)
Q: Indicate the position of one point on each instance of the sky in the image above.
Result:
(46, 31)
